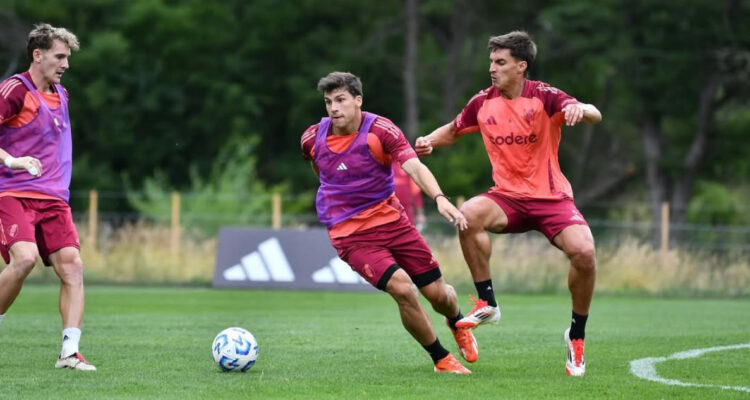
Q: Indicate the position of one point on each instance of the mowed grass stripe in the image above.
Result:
(155, 343)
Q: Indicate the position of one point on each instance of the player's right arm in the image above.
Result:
(443, 136)
(30, 164)
(446, 135)
(12, 94)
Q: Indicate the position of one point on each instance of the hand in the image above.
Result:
(30, 164)
(573, 113)
(423, 146)
(451, 213)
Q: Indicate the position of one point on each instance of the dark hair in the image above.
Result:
(43, 36)
(521, 47)
(337, 80)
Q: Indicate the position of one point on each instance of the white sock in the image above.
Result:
(71, 337)
(1, 317)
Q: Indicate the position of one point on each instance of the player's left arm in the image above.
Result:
(556, 100)
(577, 112)
(395, 144)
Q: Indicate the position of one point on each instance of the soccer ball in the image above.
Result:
(234, 349)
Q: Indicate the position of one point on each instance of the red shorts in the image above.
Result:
(376, 253)
(547, 216)
(48, 223)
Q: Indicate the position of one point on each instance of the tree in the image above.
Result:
(12, 42)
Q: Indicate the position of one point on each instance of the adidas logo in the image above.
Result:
(269, 263)
(341, 167)
(490, 121)
(337, 271)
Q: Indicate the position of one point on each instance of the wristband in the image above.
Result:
(440, 195)
(9, 161)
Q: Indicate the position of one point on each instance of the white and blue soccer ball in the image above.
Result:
(235, 349)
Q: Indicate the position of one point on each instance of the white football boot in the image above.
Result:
(74, 361)
(575, 365)
(482, 313)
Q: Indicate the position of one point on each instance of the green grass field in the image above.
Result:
(154, 343)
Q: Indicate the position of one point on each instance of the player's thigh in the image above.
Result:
(412, 254)
(373, 263)
(56, 232)
(483, 212)
(17, 240)
(575, 240)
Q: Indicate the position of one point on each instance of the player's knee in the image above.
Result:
(71, 271)
(23, 261)
(472, 213)
(583, 255)
(402, 291)
(442, 295)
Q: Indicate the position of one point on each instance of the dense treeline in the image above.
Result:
(173, 91)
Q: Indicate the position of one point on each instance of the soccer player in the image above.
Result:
(520, 121)
(35, 218)
(351, 152)
(409, 195)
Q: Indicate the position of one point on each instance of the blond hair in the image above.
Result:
(43, 36)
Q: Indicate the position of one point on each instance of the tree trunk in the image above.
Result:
(694, 157)
(411, 125)
(458, 35)
(655, 178)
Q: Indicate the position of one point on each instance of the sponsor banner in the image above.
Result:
(282, 259)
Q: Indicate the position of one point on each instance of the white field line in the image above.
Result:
(645, 368)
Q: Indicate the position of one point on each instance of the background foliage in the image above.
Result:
(163, 92)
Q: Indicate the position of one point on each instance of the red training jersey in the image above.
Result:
(18, 107)
(522, 138)
(386, 143)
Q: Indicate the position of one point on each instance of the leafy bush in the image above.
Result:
(231, 195)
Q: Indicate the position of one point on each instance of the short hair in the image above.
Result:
(43, 36)
(337, 80)
(519, 43)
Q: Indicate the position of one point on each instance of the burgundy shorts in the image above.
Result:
(547, 216)
(48, 223)
(376, 253)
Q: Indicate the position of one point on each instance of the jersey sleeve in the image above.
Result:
(554, 99)
(393, 140)
(12, 94)
(466, 121)
(308, 142)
